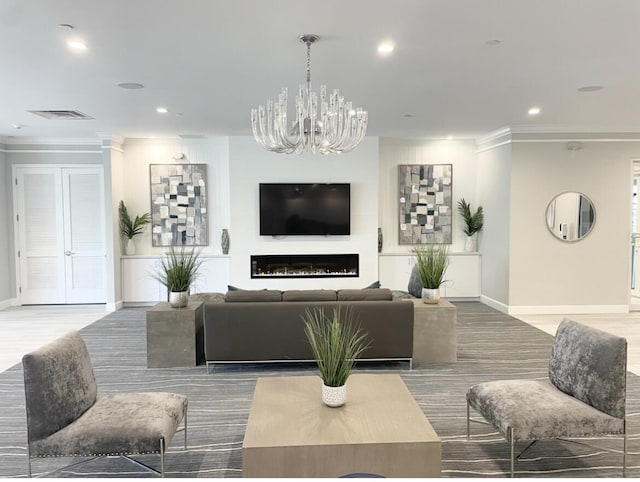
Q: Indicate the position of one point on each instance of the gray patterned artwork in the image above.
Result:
(178, 204)
(425, 203)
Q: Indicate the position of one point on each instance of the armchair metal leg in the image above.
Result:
(513, 448)
(28, 460)
(185, 430)
(624, 453)
(162, 457)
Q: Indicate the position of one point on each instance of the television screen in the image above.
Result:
(305, 209)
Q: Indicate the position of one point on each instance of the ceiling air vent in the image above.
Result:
(61, 114)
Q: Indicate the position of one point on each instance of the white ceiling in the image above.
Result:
(213, 60)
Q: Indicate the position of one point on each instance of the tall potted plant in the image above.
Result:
(432, 264)
(129, 228)
(178, 269)
(337, 342)
(473, 224)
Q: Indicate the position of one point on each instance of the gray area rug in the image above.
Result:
(491, 346)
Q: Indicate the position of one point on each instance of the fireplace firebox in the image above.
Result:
(305, 266)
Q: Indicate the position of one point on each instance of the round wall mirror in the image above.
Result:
(570, 216)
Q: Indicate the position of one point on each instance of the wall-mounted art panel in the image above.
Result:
(179, 204)
(425, 203)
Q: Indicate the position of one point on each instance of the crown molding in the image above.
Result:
(53, 141)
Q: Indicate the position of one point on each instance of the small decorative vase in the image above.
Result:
(224, 241)
(379, 240)
(130, 247)
(334, 396)
(178, 299)
(430, 296)
(471, 244)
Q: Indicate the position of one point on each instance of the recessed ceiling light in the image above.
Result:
(77, 45)
(66, 26)
(179, 114)
(493, 42)
(534, 111)
(408, 115)
(18, 126)
(590, 88)
(130, 85)
(385, 48)
(161, 110)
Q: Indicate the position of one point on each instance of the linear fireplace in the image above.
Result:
(305, 266)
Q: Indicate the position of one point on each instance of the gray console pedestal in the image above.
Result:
(434, 333)
(175, 336)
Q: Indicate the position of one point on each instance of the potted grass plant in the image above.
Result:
(178, 269)
(129, 228)
(337, 342)
(473, 224)
(432, 262)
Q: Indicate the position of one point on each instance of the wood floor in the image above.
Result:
(25, 328)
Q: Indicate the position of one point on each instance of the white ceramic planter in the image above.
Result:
(130, 247)
(430, 296)
(471, 244)
(334, 396)
(178, 299)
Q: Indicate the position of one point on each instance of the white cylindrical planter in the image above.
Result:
(130, 247)
(430, 296)
(334, 396)
(178, 299)
(471, 244)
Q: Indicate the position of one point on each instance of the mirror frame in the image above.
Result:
(546, 215)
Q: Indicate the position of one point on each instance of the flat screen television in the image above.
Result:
(305, 209)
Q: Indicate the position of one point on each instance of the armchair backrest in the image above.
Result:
(590, 365)
(59, 385)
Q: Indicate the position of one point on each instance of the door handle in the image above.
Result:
(69, 253)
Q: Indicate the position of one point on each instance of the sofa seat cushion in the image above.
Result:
(366, 294)
(242, 296)
(130, 423)
(537, 410)
(309, 295)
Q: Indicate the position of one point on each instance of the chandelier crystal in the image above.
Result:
(326, 124)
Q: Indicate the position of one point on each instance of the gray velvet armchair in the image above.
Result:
(67, 418)
(584, 396)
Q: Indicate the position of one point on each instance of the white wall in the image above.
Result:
(594, 271)
(140, 153)
(250, 165)
(5, 222)
(114, 191)
(494, 195)
(408, 151)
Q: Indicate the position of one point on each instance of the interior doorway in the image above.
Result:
(60, 234)
(634, 303)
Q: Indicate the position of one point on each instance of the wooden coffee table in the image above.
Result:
(380, 430)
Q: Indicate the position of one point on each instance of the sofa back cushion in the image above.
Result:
(309, 295)
(241, 296)
(367, 294)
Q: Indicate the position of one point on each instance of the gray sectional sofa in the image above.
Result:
(267, 326)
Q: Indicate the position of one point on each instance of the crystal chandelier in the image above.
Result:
(328, 126)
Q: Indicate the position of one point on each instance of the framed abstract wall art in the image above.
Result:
(179, 204)
(425, 203)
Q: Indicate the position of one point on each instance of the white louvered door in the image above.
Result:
(61, 235)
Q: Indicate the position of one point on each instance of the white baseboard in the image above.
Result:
(494, 304)
(114, 306)
(7, 303)
(567, 309)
